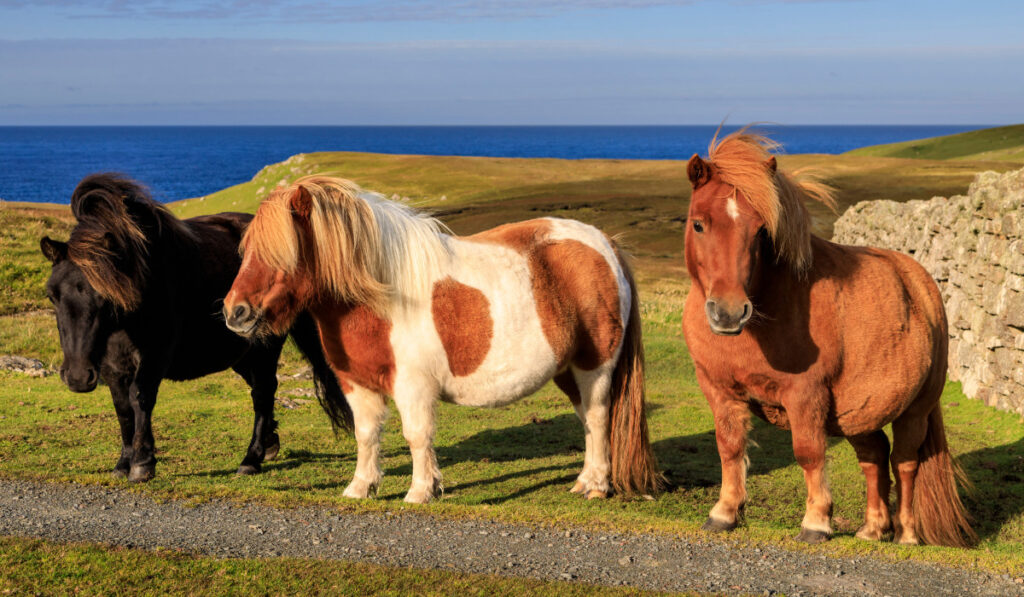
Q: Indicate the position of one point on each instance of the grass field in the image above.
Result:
(999, 143)
(514, 463)
(32, 567)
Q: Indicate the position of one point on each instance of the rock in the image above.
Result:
(973, 245)
(24, 365)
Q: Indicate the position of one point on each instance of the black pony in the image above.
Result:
(137, 293)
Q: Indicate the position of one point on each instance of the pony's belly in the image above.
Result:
(498, 388)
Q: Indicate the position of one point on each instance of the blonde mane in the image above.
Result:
(739, 160)
(364, 248)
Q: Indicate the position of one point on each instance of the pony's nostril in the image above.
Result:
(748, 310)
(241, 312)
(90, 376)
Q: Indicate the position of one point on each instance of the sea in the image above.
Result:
(44, 163)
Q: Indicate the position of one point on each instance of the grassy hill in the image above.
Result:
(645, 199)
(1000, 143)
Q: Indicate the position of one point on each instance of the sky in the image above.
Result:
(510, 62)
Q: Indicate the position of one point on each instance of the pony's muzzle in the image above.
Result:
(79, 379)
(726, 319)
(240, 318)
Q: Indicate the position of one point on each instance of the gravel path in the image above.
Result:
(108, 515)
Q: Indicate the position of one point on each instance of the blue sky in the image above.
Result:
(511, 62)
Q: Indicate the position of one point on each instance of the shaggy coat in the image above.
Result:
(817, 338)
(137, 297)
(408, 311)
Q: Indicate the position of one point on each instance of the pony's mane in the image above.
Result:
(109, 243)
(740, 160)
(364, 248)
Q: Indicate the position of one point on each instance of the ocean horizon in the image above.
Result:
(44, 163)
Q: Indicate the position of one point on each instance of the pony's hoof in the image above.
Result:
(359, 489)
(141, 473)
(579, 487)
(271, 452)
(908, 539)
(420, 496)
(873, 533)
(596, 494)
(717, 526)
(119, 473)
(812, 536)
(248, 469)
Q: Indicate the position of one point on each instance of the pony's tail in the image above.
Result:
(634, 468)
(328, 391)
(940, 515)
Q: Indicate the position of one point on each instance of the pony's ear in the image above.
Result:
(699, 171)
(54, 250)
(302, 202)
(771, 165)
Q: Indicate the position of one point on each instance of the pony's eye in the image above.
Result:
(698, 226)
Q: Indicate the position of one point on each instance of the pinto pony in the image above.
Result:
(408, 311)
(136, 293)
(818, 338)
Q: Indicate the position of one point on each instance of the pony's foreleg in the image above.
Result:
(368, 414)
(732, 421)
(807, 422)
(415, 402)
(118, 385)
(593, 410)
(873, 453)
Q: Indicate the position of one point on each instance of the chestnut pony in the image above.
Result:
(408, 311)
(818, 338)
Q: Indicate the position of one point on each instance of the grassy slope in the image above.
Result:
(43, 568)
(999, 143)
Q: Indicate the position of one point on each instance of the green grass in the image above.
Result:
(33, 567)
(999, 143)
(23, 269)
(513, 464)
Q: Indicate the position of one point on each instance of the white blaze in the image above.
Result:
(730, 208)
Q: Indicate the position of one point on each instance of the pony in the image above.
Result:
(136, 293)
(407, 310)
(817, 338)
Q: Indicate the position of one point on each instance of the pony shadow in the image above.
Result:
(692, 462)
(293, 460)
(997, 473)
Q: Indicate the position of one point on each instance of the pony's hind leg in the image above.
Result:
(567, 384)
(368, 414)
(908, 434)
(594, 392)
(416, 407)
(873, 453)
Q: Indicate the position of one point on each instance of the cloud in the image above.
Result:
(311, 11)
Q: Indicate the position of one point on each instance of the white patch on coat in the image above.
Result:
(731, 209)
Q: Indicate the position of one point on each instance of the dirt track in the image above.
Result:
(78, 513)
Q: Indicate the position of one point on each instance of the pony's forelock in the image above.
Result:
(741, 160)
(108, 243)
(364, 248)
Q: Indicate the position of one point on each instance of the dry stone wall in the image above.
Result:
(973, 246)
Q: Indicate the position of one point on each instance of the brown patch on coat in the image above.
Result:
(575, 290)
(462, 317)
(357, 345)
(567, 383)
